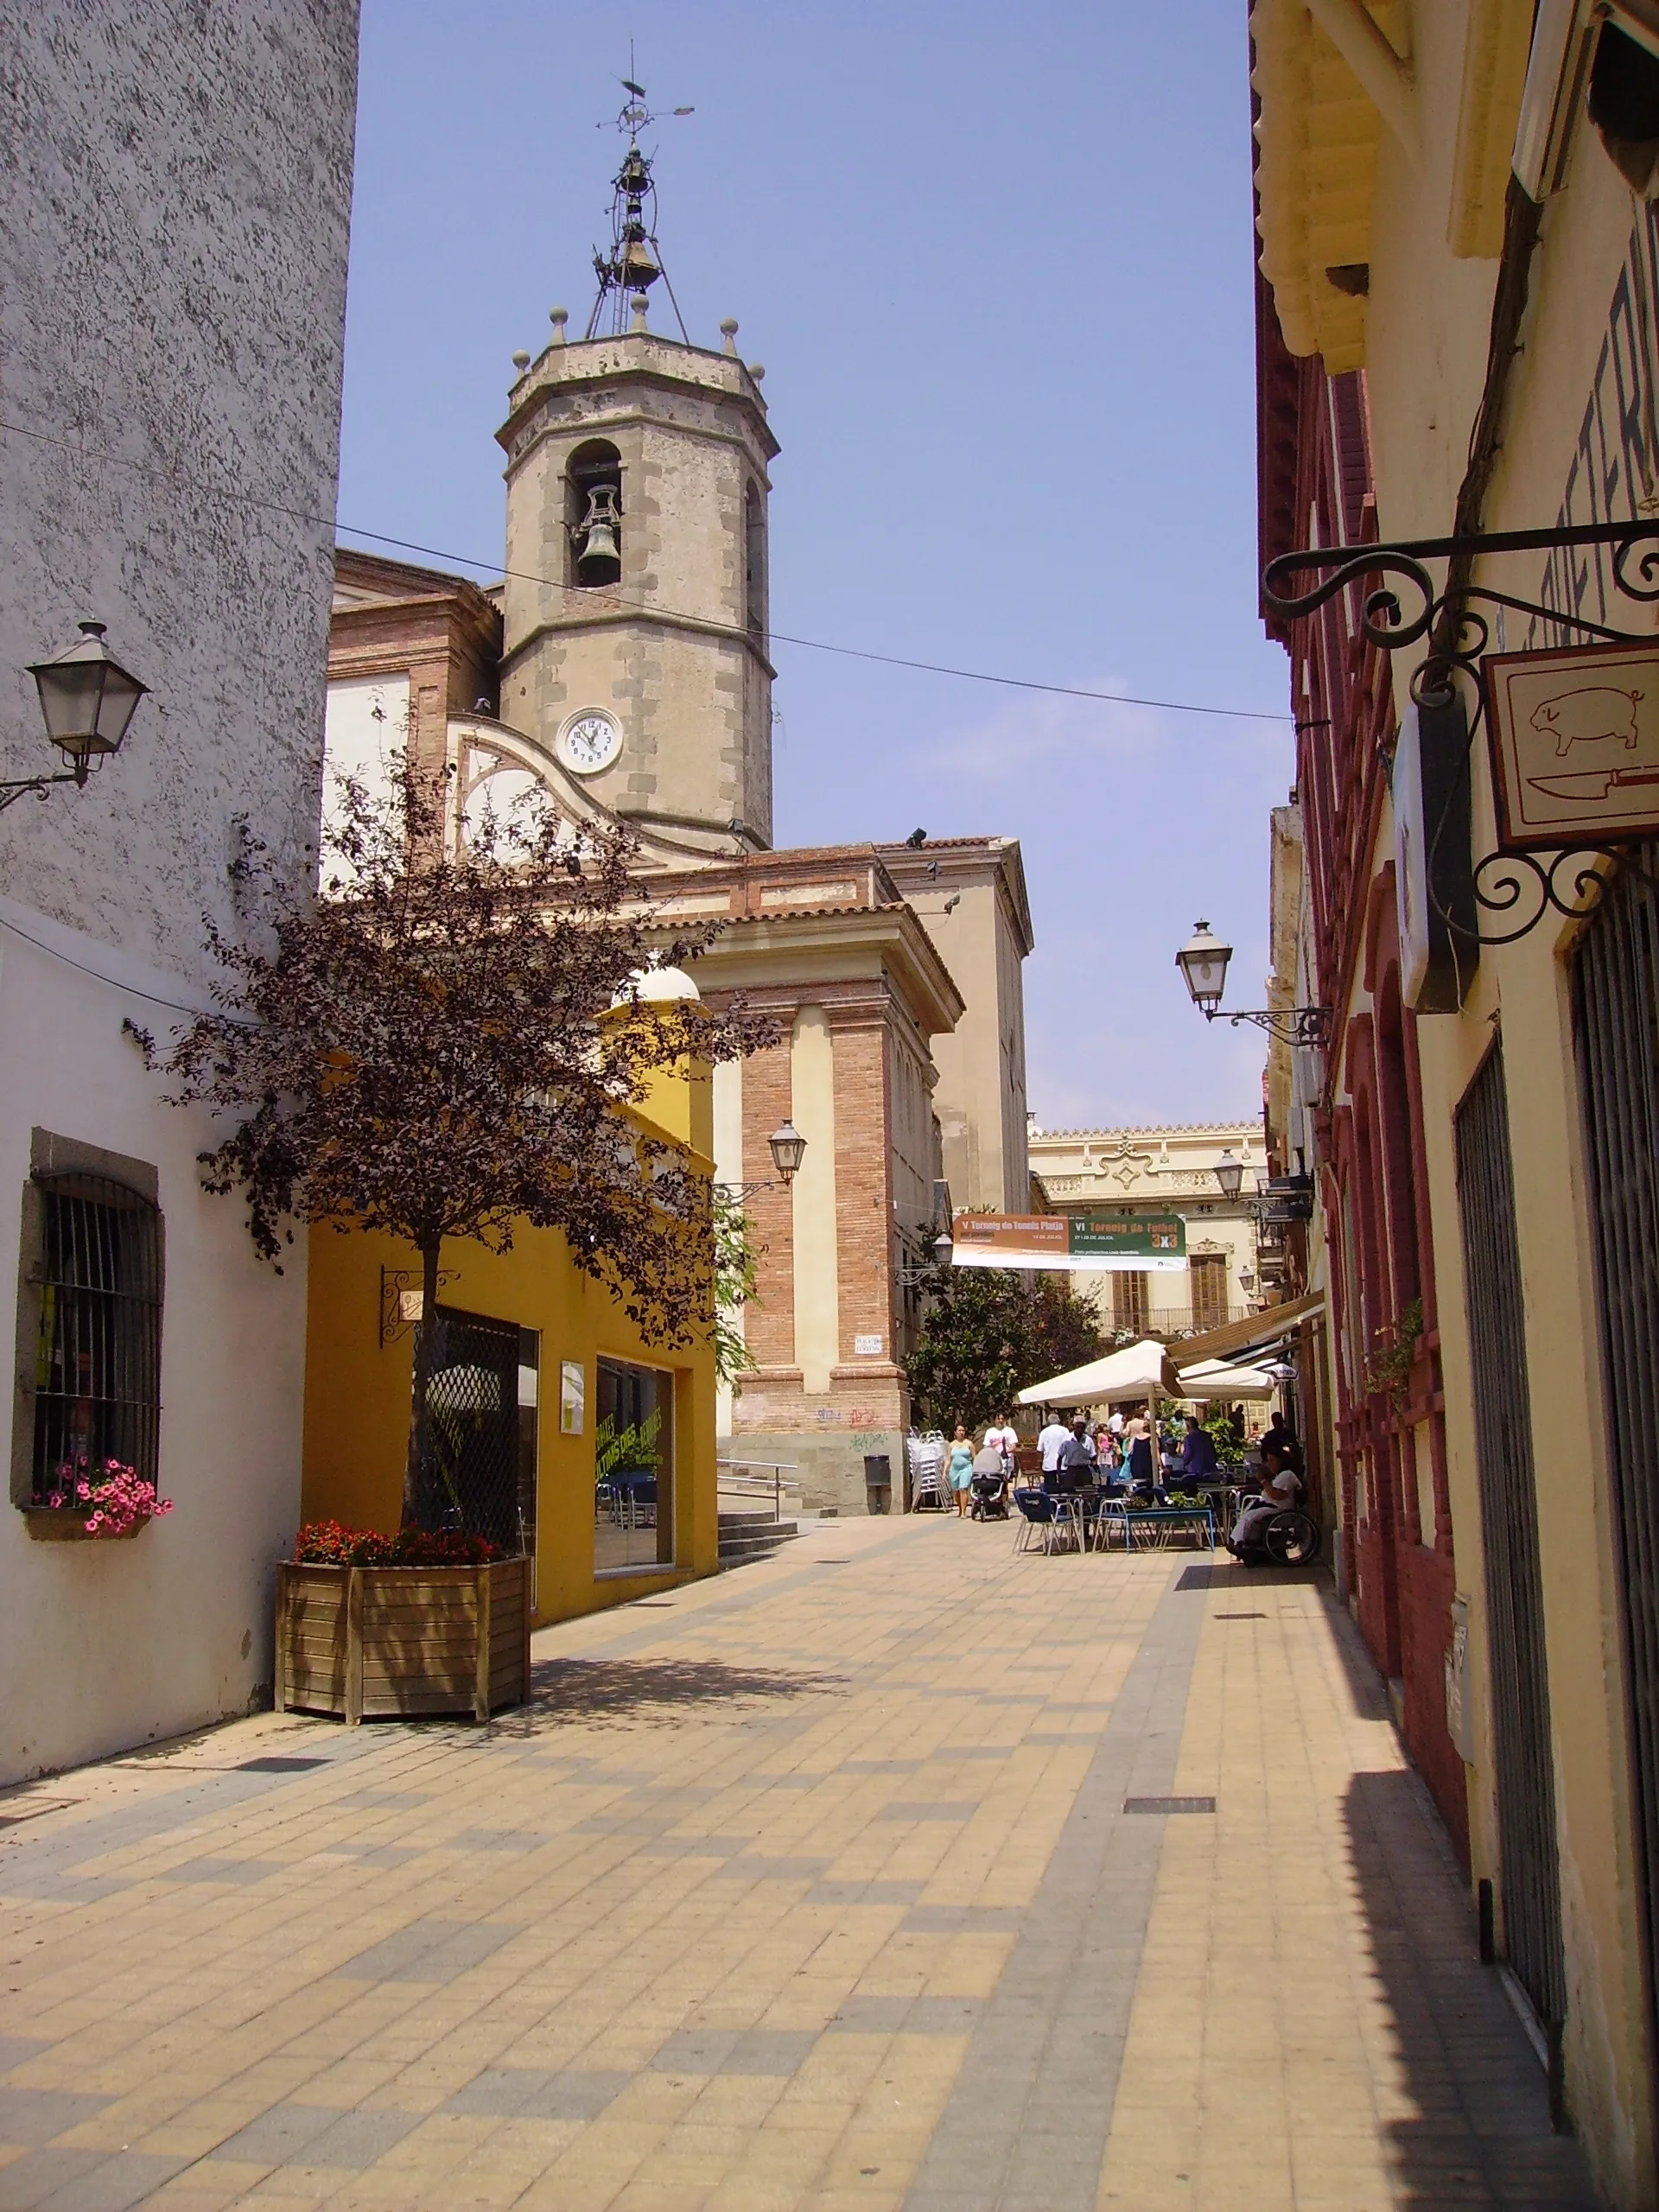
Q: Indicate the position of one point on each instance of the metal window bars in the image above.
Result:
(97, 1371)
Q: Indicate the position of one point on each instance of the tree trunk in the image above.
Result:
(417, 1412)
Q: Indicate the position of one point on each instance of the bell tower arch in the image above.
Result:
(634, 614)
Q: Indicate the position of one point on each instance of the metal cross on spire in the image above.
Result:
(634, 261)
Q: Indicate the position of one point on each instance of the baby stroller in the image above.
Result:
(989, 1485)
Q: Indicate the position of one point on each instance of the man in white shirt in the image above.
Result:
(1114, 1421)
(1002, 1437)
(1052, 1442)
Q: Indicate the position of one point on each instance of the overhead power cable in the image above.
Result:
(555, 584)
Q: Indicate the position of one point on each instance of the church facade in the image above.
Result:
(621, 664)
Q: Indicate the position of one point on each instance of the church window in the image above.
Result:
(754, 560)
(593, 480)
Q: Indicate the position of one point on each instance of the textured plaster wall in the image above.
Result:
(172, 302)
(172, 294)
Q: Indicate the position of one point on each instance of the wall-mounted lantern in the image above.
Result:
(1202, 963)
(87, 701)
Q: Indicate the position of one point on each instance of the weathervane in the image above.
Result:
(634, 262)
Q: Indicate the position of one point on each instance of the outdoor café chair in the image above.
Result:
(1037, 1510)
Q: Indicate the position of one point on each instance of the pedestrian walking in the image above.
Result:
(1003, 1437)
(960, 1469)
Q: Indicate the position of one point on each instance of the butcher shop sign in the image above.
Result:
(1574, 737)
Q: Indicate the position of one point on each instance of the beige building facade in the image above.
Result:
(1097, 1174)
(1455, 216)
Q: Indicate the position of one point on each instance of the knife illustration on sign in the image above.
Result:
(1589, 784)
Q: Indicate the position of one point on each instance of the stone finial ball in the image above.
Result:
(757, 369)
(521, 360)
(558, 317)
(728, 326)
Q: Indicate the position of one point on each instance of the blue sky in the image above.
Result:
(997, 263)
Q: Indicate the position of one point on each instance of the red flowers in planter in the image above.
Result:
(328, 1544)
(111, 1499)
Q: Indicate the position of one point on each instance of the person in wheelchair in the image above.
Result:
(1280, 1490)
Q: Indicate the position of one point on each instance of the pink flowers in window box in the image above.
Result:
(107, 1498)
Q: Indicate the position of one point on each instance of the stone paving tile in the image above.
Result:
(809, 1890)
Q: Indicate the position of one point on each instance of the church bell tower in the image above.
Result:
(635, 609)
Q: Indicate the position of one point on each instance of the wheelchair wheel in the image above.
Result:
(1290, 1539)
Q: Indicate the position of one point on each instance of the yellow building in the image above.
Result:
(565, 1428)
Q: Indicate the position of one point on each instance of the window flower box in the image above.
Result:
(50, 1524)
(374, 1642)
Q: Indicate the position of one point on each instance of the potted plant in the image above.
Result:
(97, 1502)
(414, 1622)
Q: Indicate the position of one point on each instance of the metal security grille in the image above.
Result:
(97, 1370)
(1616, 1019)
(1530, 1876)
(470, 1470)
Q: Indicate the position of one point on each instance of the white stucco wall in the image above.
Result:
(104, 1645)
(172, 305)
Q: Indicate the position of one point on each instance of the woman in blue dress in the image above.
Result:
(960, 1468)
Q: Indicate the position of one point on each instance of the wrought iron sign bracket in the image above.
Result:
(1507, 880)
(1305, 1028)
(400, 1300)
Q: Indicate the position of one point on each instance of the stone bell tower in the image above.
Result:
(635, 609)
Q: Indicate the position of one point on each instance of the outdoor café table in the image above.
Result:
(1164, 1520)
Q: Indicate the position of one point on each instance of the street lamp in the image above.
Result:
(788, 1148)
(1229, 1173)
(940, 1249)
(1247, 1279)
(88, 701)
(1202, 963)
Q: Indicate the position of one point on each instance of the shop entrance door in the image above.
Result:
(1529, 1883)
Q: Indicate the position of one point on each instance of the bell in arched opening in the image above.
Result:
(599, 539)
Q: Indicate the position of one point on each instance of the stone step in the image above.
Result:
(745, 1536)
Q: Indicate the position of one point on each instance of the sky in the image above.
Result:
(997, 263)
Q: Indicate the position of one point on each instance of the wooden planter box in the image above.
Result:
(378, 1640)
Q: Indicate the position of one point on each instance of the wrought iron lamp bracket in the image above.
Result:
(1305, 1028)
(39, 786)
(741, 1194)
(1564, 882)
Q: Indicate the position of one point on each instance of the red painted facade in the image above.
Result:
(1397, 1564)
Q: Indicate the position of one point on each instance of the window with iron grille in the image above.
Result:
(89, 1326)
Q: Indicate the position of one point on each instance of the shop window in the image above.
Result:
(633, 1469)
(89, 1325)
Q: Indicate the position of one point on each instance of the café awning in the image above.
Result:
(1142, 1370)
(1215, 1379)
(1253, 1333)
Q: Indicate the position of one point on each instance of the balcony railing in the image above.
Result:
(1168, 1324)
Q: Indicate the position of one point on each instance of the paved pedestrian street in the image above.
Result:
(899, 1870)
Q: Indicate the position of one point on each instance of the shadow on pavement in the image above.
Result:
(1480, 2133)
(659, 1690)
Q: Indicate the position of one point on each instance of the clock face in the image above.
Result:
(590, 742)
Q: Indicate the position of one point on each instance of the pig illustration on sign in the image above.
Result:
(1585, 717)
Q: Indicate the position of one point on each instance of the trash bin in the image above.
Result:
(878, 1482)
